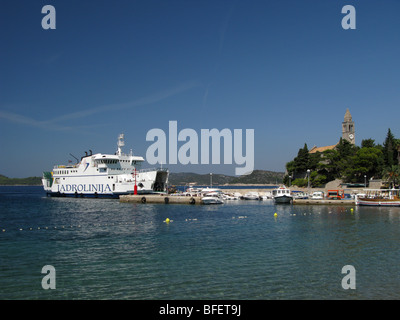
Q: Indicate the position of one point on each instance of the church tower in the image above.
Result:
(348, 128)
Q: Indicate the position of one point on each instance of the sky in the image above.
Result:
(284, 68)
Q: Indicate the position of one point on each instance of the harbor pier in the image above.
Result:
(160, 198)
(341, 202)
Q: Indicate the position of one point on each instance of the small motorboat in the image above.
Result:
(251, 196)
(212, 198)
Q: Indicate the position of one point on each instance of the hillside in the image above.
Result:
(256, 177)
(183, 178)
(260, 177)
(31, 181)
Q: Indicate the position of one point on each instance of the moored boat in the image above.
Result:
(282, 195)
(317, 195)
(251, 196)
(212, 198)
(378, 197)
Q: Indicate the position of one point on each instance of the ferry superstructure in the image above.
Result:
(105, 176)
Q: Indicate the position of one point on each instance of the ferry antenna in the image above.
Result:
(77, 160)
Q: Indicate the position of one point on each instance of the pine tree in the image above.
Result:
(302, 160)
(390, 150)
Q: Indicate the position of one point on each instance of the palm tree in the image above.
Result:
(391, 175)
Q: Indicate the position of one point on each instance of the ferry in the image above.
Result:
(105, 176)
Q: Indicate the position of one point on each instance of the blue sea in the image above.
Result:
(104, 249)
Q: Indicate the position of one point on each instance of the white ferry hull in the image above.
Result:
(104, 176)
(101, 187)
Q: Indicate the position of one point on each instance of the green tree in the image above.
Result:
(317, 179)
(300, 182)
(390, 150)
(366, 161)
(301, 162)
(391, 175)
(368, 143)
(345, 162)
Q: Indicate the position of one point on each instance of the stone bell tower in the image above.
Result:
(348, 132)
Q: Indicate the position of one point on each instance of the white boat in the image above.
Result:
(251, 196)
(300, 195)
(191, 192)
(212, 198)
(266, 196)
(208, 190)
(317, 195)
(378, 197)
(282, 195)
(104, 176)
(228, 196)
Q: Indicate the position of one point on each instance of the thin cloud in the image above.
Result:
(17, 118)
(135, 103)
(224, 28)
(53, 124)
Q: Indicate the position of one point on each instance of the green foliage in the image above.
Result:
(368, 143)
(317, 179)
(302, 160)
(256, 177)
(348, 162)
(31, 181)
(300, 182)
(390, 150)
(391, 175)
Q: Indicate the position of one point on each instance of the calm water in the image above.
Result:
(103, 249)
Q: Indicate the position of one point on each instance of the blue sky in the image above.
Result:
(286, 69)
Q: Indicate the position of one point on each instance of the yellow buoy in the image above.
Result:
(167, 220)
(275, 214)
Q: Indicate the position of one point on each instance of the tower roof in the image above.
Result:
(347, 116)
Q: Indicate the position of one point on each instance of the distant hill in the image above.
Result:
(256, 177)
(31, 181)
(260, 177)
(183, 178)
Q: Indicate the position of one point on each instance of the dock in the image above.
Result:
(160, 198)
(348, 202)
(196, 200)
